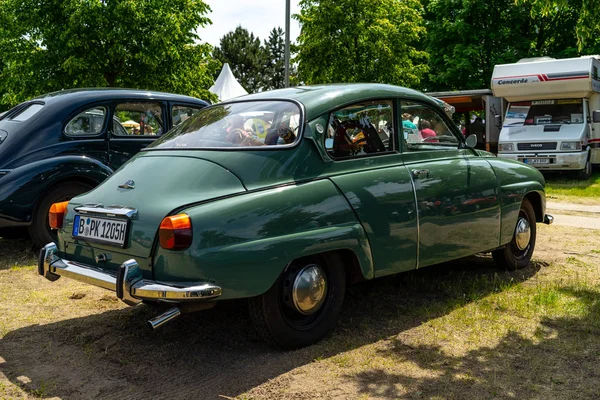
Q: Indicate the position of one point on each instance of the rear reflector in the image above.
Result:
(57, 214)
(175, 232)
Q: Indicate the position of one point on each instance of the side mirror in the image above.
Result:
(596, 116)
(471, 141)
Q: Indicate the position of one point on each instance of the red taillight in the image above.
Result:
(175, 232)
(57, 214)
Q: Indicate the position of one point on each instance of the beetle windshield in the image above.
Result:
(246, 124)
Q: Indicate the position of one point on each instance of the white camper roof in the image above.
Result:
(226, 86)
(547, 79)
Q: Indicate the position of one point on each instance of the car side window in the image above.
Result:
(361, 129)
(138, 119)
(424, 129)
(182, 113)
(87, 123)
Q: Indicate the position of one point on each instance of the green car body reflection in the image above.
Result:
(290, 195)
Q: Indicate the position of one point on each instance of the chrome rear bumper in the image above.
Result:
(548, 219)
(127, 282)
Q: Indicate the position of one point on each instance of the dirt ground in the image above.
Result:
(463, 330)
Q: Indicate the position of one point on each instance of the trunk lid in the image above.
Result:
(158, 184)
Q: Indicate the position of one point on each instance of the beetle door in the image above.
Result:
(456, 191)
(368, 170)
(134, 125)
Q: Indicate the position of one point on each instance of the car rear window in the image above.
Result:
(27, 112)
(247, 124)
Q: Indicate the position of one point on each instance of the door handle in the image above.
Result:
(420, 173)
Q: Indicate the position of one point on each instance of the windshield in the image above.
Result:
(543, 112)
(246, 124)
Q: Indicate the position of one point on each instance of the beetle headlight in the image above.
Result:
(570, 146)
(505, 147)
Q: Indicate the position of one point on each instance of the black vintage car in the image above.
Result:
(62, 144)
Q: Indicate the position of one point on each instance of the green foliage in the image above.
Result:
(59, 44)
(465, 43)
(274, 72)
(361, 41)
(588, 17)
(245, 55)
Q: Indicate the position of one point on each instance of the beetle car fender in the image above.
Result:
(22, 186)
(244, 242)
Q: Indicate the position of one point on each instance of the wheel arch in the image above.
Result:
(538, 204)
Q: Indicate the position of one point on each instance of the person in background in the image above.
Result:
(426, 131)
(477, 128)
(407, 121)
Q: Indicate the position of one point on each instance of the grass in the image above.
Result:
(562, 189)
(463, 330)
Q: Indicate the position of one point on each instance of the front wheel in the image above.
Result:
(585, 173)
(303, 304)
(518, 253)
(40, 231)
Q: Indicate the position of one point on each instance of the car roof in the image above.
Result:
(85, 94)
(318, 99)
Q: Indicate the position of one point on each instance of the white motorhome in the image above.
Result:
(550, 121)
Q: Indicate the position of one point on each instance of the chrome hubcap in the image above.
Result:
(309, 289)
(522, 234)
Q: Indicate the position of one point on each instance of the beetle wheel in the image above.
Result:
(40, 231)
(303, 304)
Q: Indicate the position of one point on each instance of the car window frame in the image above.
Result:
(173, 104)
(447, 120)
(113, 108)
(277, 147)
(16, 111)
(395, 137)
(81, 110)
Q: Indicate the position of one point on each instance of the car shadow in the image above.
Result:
(17, 252)
(215, 352)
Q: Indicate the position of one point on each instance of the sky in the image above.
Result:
(257, 16)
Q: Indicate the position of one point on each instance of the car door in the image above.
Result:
(367, 168)
(134, 125)
(456, 190)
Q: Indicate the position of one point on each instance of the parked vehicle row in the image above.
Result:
(283, 198)
(63, 144)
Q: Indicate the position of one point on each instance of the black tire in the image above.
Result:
(40, 231)
(585, 173)
(517, 255)
(278, 321)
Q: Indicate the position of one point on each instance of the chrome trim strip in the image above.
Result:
(110, 211)
(127, 282)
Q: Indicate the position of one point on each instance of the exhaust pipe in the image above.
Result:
(163, 318)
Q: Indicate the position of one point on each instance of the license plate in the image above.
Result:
(537, 161)
(102, 230)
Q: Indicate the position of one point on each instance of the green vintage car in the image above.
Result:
(285, 197)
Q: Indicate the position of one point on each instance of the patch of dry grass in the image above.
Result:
(463, 330)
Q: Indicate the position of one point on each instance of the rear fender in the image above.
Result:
(22, 187)
(244, 242)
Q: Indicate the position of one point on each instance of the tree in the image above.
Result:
(361, 41)
(464, 43)
(59, 44)
(588, 17)
(245, 55)
(274, 72)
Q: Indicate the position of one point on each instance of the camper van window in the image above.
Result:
(543, 112)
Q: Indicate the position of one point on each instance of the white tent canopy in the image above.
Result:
(226, 86)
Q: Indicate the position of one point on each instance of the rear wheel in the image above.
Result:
(303, 304)
(40, 231)
(518, 252)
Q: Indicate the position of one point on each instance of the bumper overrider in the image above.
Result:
(127, 282)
